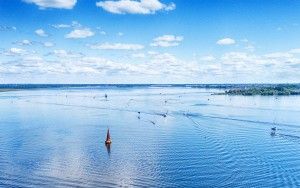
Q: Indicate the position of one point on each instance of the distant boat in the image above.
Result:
(273, 131)
(108, 140)
(274, 128)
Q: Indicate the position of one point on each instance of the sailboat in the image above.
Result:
(108, 140)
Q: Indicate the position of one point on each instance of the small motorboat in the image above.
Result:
(273, 128)
(108, 140)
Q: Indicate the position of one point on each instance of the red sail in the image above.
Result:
(108, 136)
(108, 140)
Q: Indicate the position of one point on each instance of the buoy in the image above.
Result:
(108, 140)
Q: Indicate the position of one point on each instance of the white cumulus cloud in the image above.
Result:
(134, 6)
(24, 42)
(41, 32)
(66, 54)
(226, 41)
(295, 51)
(14, 52)
(229, 67)
(117, 46)
(80, 33)
(279, 55)
(48, 44)
(138, 55)
(74, 24)
(59, 26)
(208, 58)
(60, 4)
(167, 41)
(17, 51)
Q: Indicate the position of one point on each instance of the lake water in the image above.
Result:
(55, 138)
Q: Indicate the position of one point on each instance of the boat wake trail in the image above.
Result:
(246, 107)
(241, 120)
(100, 108)
(226, 159)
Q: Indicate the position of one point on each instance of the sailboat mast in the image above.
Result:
(108, 135)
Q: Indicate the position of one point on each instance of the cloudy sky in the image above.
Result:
(149, 41)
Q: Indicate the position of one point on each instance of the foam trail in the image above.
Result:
(94, 107)
(245, 107)
(243, 120)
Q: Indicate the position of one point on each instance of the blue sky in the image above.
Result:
(149, 41)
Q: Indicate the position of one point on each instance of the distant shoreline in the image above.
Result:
(208, 86)
(229, 89)
(6, 90)
(283, 90)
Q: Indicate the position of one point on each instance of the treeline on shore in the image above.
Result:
(269, 90)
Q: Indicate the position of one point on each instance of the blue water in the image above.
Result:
(54, 137)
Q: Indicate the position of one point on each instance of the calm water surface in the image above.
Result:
(55, 138)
